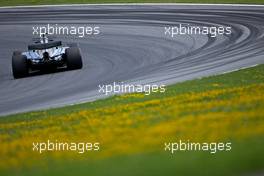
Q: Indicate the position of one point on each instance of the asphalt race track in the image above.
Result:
(131, 47)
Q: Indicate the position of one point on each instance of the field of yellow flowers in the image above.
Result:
(133, 128)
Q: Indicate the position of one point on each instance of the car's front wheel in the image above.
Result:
(19, 65)
(73, 58)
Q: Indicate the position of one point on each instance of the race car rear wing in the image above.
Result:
(41, 46)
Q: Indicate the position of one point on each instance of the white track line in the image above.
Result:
(131, 4)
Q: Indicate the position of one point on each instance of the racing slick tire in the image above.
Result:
(73, 58)
(19, 65)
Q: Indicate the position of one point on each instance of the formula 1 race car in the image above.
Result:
(45, 54)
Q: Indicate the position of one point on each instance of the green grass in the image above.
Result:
(246, 156)
(245, 159)
(44, 2)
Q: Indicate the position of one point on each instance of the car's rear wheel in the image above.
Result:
(73, 58)
(19, 65)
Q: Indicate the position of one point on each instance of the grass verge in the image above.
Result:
(132, 130)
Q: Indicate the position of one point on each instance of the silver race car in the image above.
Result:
(45, 54)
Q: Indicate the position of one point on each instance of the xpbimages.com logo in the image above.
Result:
(211, 147)
(116, 87)
(55, 29)
(53, 146)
